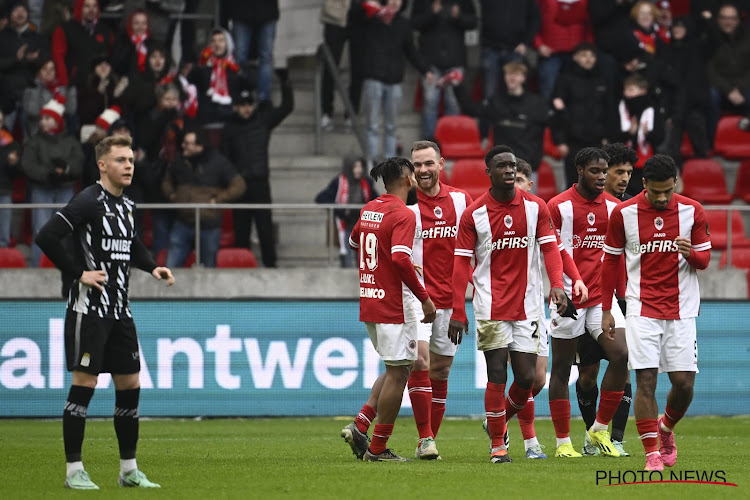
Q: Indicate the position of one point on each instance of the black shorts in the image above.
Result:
(101, 345)
(589, 351)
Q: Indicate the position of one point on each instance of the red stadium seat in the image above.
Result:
(11, 258)
(730, 141)
(458, 137)
(550, 149)
(236, 258)
(742, 184)
(444, 177)
(717, 225)
(686, 148)
(161, 259)
(45, 263)
(740, 258)
(227, 230)
(704, 180)
(546, 187)
(471, 176)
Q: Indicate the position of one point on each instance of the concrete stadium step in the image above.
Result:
(297, 179)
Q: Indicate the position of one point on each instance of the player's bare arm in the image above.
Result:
(456, 331)
(94, 278)
(418, 270)
(559, 299)
(608, 324)
(163, 273)
(683, 246)
(430, 313)
(580, 289)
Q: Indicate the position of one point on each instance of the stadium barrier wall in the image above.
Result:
(293, 358)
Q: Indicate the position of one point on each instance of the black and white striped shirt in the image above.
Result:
(103, 232)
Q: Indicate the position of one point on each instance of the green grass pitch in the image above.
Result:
(306, 458)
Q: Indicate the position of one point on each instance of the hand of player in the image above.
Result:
(428, 308)
(608, 325)
(559, 299)
(94, 278)
(418, 269)
(456, 331)
(580, 289)
(163, 273)
(683, 246)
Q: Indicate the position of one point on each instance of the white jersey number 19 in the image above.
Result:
(369, 245)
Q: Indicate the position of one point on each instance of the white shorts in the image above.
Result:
(589, 319)
(543, 337)
(667, 344)
(395, 343)
(519, 336)
(436, 333)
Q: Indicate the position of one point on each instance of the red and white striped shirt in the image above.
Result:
(384, 235)
(582, 225)
(662, 284)
(506, 239)
(435, 237)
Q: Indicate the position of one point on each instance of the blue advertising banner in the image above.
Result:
(293, 358)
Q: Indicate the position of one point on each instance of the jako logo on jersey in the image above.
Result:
(372, 216)
(509, 243)
(591, 218)
(659, 223)
(438, 212)
(508, 221)
(655, 246)
(371, 293)
(437, 232)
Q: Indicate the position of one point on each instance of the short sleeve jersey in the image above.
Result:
(661, 283)
(582, 225)
(435, 238)
(103, 232)
(505, 238)
(385, 226)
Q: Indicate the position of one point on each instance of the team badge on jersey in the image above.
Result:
(659, 223)
(508, 221)
(438, 212)
(591, 218)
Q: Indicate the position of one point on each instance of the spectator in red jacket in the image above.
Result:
(565, 24)
(77, 41)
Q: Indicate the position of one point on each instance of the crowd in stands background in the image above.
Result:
(592, 71)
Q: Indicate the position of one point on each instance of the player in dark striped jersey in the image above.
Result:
(100, 335)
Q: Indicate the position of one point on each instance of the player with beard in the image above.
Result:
(438, 211)
(581, 216)
(505, 229)
(590, 353)
(383, 236)
(664, 237)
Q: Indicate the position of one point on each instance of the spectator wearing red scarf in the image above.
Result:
(131, 50)
(45, 87)
(215, 78)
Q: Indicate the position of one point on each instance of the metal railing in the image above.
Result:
(329, 226)
(325, 60)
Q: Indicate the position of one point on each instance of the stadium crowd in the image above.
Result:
(592, 72)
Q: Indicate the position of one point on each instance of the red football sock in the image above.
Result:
(608, 403)
(439, 395)
(560, 411)
(494, 407)
(647, 431)
(365, 418)
(380, 436)
(672, 416)
(517, 397)
(526, 420)
(420, 393)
